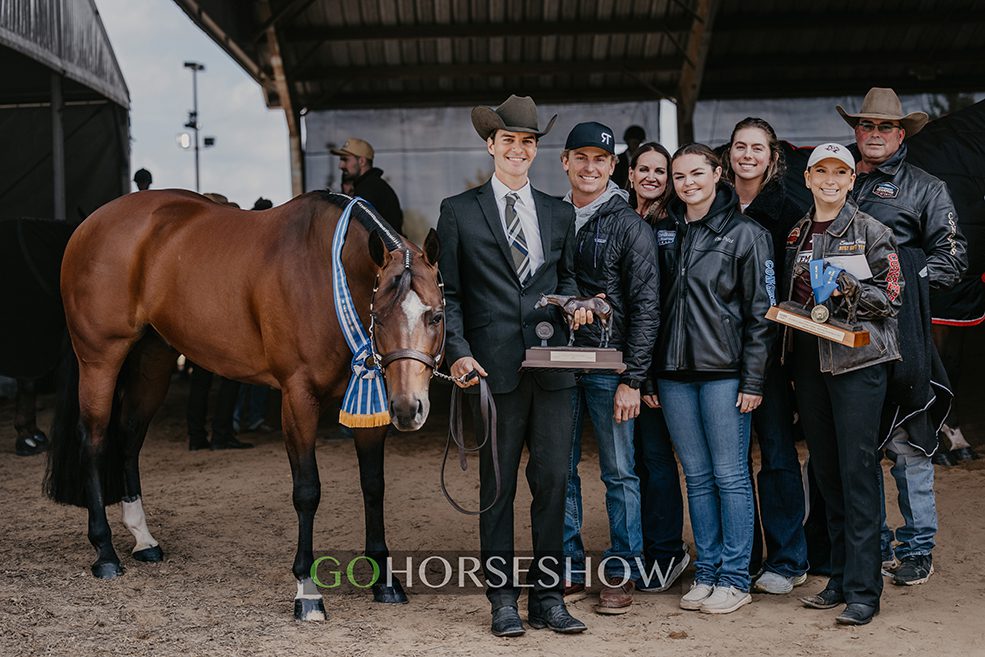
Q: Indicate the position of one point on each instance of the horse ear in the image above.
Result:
(377, 250)
(432, 247)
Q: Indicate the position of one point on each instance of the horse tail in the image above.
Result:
(64, 480)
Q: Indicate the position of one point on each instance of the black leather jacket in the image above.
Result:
(877, 300)
(615, 253)
(718, 282)
(919, 209)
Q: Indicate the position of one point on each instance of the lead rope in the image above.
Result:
(487, 409)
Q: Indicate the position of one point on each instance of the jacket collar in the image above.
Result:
(891, 166)
(725, 203)
(839, 225)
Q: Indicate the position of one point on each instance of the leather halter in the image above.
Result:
(487, 405)
(433, 361)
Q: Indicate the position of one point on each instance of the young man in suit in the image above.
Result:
(503, 245)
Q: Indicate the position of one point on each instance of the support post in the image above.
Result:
(57, 146)
(695, 56)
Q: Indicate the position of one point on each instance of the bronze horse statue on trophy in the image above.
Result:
(597, 305)
(248, 295)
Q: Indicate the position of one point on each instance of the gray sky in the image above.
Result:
(152, 39)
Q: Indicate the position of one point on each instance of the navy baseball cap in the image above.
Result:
(591, 133)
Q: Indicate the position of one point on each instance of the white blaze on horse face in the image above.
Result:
(414, 309)
(135, 520)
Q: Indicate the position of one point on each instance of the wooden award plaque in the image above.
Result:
(575, 359)
(795, 317)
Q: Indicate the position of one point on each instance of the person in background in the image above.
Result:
(710, 366)
(632, 137)
(754, 164)
(664, 551)
(251, 403)
(839, 388)
(918, 208)
(143, 179)
(366, 180)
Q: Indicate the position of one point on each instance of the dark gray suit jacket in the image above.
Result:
(489, 315)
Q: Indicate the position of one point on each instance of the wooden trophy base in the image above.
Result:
(793, 316)
(573, 359)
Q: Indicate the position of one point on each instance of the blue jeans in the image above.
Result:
(914, 475)
(711, 438)
(780, 484)
(596, 393)
(660, 490)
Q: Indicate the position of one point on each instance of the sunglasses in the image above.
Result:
(869, 126)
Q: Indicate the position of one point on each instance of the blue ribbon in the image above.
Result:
(824, 279)
(365, 402)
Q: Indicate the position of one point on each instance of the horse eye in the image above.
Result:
(437, 319)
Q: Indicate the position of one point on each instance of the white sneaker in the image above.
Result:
(693, 599)
(777, 584)
(675, 572)
(724, 600)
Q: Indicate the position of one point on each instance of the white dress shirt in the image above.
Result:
(527, 212)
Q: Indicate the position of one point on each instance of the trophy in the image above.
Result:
(571, 358)
(818, 322)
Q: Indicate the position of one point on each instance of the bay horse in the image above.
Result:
(248, 295)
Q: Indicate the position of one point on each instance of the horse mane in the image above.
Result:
(366, 215)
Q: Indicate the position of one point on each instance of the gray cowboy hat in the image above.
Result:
(516, 114)
(883, 103)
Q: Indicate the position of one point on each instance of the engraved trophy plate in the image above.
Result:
(795, 317)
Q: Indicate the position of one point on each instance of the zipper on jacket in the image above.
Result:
(683, 263)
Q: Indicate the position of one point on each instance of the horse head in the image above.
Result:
(408, 325)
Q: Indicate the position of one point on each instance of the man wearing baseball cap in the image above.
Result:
(503, 245)
(356, 164)
(918, 208)
(615, 256)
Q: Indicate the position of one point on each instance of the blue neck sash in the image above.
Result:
(365, 403)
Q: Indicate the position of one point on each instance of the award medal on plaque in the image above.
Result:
(824, 281)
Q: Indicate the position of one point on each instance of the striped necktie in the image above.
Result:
(518, 243)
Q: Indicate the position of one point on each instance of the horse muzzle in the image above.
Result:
(408, 412)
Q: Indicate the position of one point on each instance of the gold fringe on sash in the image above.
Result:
(364, 421)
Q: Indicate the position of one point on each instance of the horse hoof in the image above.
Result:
(391, 595)
(149, 555)
(309, 609)
(106, 570)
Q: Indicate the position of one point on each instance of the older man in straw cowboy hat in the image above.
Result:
(503, 245)
(918, 208)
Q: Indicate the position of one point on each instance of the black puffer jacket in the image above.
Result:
(378, 192)
(719, 281)
(918, 208)
(615, 254)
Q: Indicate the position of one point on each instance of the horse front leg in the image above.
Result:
(369, 448)
(299, 415)
(30, 439)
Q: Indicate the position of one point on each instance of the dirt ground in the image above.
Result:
(228, 528)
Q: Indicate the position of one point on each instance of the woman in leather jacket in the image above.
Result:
(664, 550)
(717, 269)
(840, 389)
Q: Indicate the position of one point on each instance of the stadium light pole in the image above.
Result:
(193, 115)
